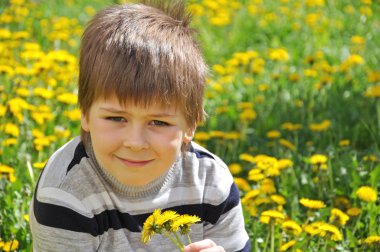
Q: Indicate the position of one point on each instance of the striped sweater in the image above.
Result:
(79, 206)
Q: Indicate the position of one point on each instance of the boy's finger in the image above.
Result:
(197, 246)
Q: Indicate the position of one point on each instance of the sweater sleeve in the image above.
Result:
(58, 228)
(228, 230)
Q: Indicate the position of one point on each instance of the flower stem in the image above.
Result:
(188, 238)
(178, 239)
(180, 246)
(272, 236)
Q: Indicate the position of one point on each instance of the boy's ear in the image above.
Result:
(84, 122)
(189, 134)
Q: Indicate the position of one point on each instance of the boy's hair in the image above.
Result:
(145, 54)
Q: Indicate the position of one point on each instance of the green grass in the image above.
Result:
(317, 81)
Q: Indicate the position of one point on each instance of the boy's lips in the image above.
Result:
(134, 163)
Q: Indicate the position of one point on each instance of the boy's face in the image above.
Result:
(136, 144)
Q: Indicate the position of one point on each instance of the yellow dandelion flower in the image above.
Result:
(267, 186)
(11, 129)
(354, 211)
(242, 184)
(358, 40)
(367, 194)
(339, 217)
(288, 245)
(183, 222)
(217, 134)
(324, 125)
(287, 144)
(247, 157)
(201, 136)
(166, 217)
(291, 227)
(250, 195)
(331, 231)
(284, 163)
(291, 126)
(248, 115)
(313, 228)
(68, 98)
(278, 54)
(235, 168)
(255, 175)
(264, 162)
(266, 216)
(150, 227)
(318, 159)
(373, 91)
(373, 240)
(344, 143)
(371, 158)
(313, 204)
(273, 134)
(10, 245)
(278, 199)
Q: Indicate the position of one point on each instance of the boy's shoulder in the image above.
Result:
(205, 167)
(200, 153)
(66, 168)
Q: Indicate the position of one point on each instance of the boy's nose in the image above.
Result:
(135, 139)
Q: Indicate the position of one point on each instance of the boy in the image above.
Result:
(141, 81)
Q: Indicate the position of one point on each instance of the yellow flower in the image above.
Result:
(291, 227)
(166, 217)
(367, 194)
(344, 143)
(68, 98)
(266, 216)
(313, 204)
(201, 136)
(284, 163)
(354, 211)
(338, 216)
(287, 144)
(10, 245)
(324, 125)
(242, 184)
(248, 115)
(250, 195)
(358, 40)
(278, 199)
(11, 129)
(255, 175)
(331, 231)
(373, 240)
(318, 159)
(39, 165)
(287, 245)
(278, 54)
(183, 222)
(373, 91)
(267, 186)
(247, 157)
(235, 168)
(150, 227)
(273, 134)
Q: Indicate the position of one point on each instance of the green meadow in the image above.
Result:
(293, 104)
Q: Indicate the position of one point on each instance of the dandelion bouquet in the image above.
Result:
(169, 223)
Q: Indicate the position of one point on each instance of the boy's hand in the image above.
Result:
(203, 246)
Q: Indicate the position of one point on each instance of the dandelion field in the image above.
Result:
(293, 104)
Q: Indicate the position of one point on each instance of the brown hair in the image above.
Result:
(143, 54)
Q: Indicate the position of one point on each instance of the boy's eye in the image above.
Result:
(116, 119)
(159, 123)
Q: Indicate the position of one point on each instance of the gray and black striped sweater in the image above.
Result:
(78, 206)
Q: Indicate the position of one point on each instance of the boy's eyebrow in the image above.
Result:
(119, 111)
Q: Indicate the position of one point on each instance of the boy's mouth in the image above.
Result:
(134, 163)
